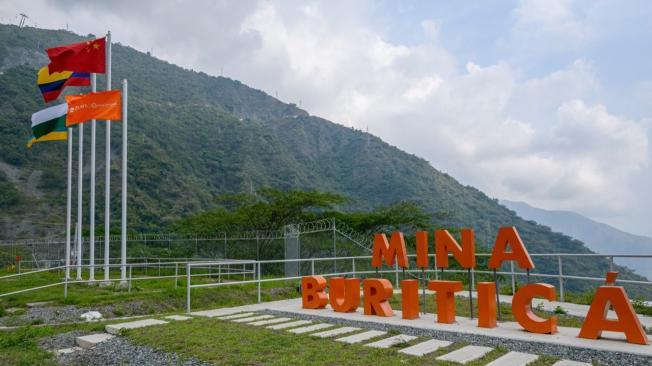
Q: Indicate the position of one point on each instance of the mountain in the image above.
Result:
(597, 236)
(193, 136)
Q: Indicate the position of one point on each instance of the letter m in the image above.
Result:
(394, 249)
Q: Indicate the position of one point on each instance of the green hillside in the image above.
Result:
(193, 136)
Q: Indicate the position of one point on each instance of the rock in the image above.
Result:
(91, 316)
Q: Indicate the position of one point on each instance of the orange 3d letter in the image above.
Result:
(508, 236)
(522, 308)
(445, 297)
(376, 293)
(445, 243)
(395, 249)
(312, 292)
(410, 299)
(344, 294)
(596, 320)
(487, 304)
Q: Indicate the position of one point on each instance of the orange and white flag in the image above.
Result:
(100, 105)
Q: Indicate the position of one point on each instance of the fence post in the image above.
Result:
(176, 275)
(561, 279)
(188, 287)
(353, 266)
(259, 282)
(396, 274)
(611, 264)
(511, 264)
(130, 271)
(65, 288)
(334, 249)
(312, 267)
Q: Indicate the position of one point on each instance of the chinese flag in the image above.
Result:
(88, 56)
(100, 105)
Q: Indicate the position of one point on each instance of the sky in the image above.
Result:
(543, 101)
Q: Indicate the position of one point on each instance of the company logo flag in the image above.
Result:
(52, 84)
(49, 124)
(100, 105)
(88, 56)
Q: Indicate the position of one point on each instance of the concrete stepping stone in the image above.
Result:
(335, 332)
(235, 316)
(310, 328)
(289, 325)
(92, 340)
(177, 317)
(215, 312)
(391, 341)
(361, 337)
(270, 321)
(424, 348)
(252, 318)
(570, 363)
(466, 354)
(65, 351)
(116, 328)
(513, 359)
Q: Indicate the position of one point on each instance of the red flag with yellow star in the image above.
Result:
(88, 56)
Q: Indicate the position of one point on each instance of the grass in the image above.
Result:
(222, 342)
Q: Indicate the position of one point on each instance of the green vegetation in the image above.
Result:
(194, 136)
(222, 342)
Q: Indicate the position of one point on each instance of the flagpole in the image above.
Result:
(91, 241)
(107, 173)
(68, 203)
(123, 251)
(80, 182)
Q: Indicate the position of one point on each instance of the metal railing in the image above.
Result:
(560, 276)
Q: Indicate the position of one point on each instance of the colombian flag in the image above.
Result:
(51, 85)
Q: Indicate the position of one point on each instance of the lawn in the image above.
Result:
(222, 342)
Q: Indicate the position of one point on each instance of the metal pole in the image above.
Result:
(91, 214)
(423, 289)
(188, 287)
(561, 279)
(312, 267)
(511, 263)
(353, 266)
(611, 264)
(259, 282)
(527, 271)
(68, 203)
(130, 269)
(176, 275)
(334, 249)
(123, 249)
(470, 294)
(80, 182)
(396, 274)
(65, 288)
(107, 167)
(497, 295)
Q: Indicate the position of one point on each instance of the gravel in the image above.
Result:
(72, 313)
(566, 352)
(116, 351)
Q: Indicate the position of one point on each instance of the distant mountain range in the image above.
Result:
(599, 237)
(193, 136)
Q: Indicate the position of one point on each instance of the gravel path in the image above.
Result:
(566, 352)
(116, 351)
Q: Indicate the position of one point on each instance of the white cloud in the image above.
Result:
(549, 140)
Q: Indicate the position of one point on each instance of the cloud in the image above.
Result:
(549, 139)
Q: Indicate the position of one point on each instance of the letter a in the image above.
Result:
(508, 236)
(596, 320)
(312, 292)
